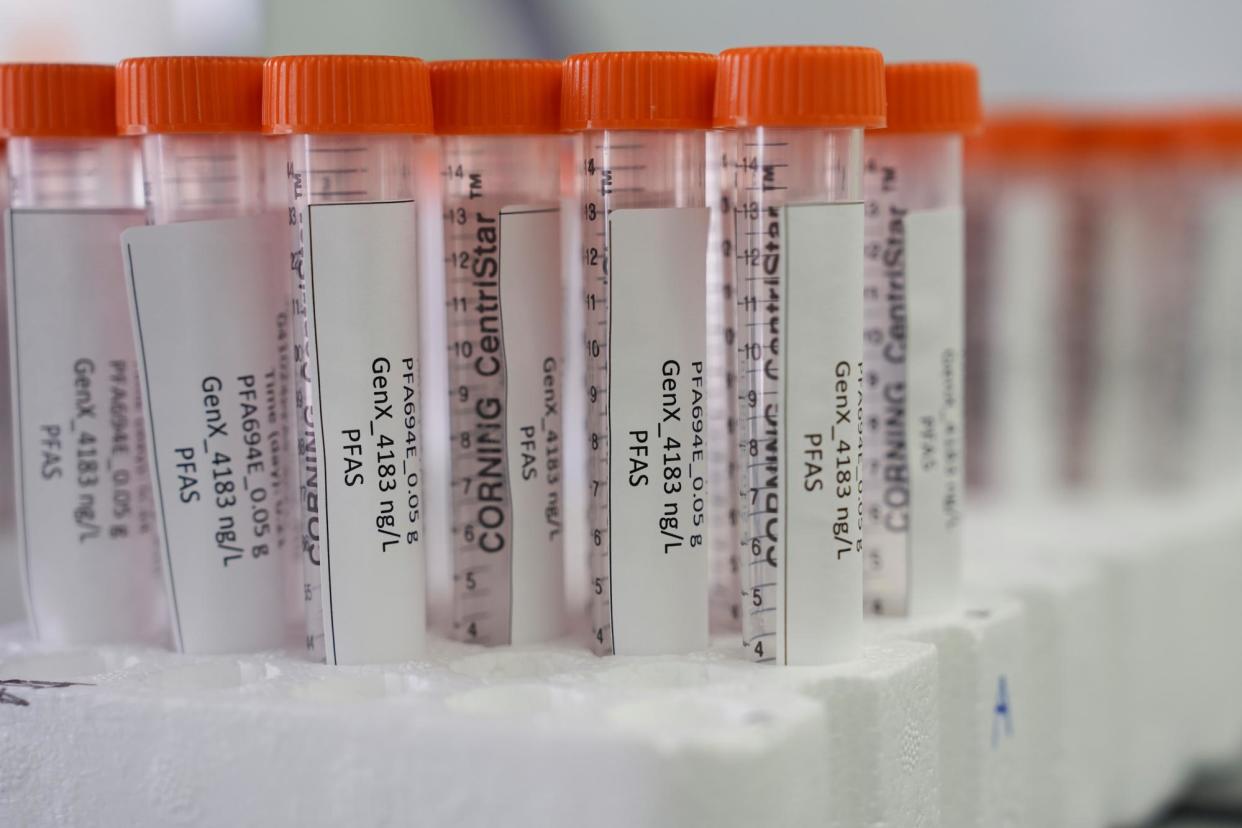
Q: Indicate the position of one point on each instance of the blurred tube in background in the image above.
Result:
(1017, 290)
(1137, 286)
(1213, 142)
(1103, 296)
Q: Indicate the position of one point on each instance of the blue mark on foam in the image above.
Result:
(1002, 715)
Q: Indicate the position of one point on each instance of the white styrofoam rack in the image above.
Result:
(1094, 665)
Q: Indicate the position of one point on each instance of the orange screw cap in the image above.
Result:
(346, 94)
(637, 90)
(189, 94)
(57, 100)
(933, 97)
(496, 97)
(800, 86)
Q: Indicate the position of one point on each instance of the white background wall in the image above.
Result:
(1076, 50)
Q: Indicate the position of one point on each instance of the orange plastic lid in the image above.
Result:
(800, 86)
(1027, 135)
(933, 97)
(637, 90)
(346, 94)
(57, 100)
(496, 97)
(1141, 135)
(189, 94)
(1216, 132)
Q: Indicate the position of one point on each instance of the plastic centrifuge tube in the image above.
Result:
(499, 121)
(211, 303)
(913, 308)
(1022, 344)
(643, 118)
(1142, 285)
(1214, 350)
(795, 118)
(355, 125)
(85, 513)
(10, 572)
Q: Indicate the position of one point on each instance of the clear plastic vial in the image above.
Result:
(795, 118)
(500, 153)
(85, 514)
(10, 572)
(642, 119)
(1021, 343)
(10, 592)
(211, 308)
(355, 125)
(914, 339)
(1214, 350)
(1142, 286)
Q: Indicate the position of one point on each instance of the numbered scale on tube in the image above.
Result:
(722, 461)
(799, 396)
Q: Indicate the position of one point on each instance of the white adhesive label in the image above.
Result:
(505, 350)
(530, 291)
(657, 437)
(822, 413)
(85, 514)
(934, 421)
(362, 305)
(210, 305)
